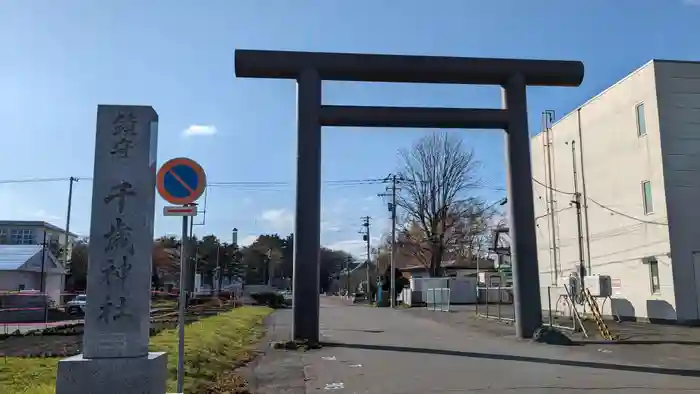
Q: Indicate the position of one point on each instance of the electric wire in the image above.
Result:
(240, 185)
(601, 205)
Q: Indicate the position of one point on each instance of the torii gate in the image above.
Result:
(310, 69)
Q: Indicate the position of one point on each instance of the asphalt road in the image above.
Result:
(378, 350)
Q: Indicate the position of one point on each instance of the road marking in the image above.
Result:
(331, 358)
(334, 386)
(355, 365)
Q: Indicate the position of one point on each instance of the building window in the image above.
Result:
(653, 265)
(646, 197)
(22, 236)
(3, 236)
(641, 120)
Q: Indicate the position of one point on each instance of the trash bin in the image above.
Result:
(383, 299)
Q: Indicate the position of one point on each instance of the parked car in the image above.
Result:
(76, 306)
(287, 294)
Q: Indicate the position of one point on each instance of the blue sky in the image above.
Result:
(63, 58)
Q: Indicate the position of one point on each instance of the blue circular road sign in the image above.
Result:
(181, 181)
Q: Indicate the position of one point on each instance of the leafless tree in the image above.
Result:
(437, 175)
(471, 233)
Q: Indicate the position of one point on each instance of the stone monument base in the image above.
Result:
(141, 375)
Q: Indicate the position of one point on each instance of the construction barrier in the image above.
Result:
(438, 299)
(497, 303)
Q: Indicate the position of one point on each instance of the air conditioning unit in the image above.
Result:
(571, 282)
(599, 285)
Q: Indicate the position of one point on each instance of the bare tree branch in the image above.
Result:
(437, 174)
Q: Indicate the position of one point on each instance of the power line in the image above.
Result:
(551, 188)
(626, 215)
(615, 211)
(223, 183)
(250, 185)
(34, 180)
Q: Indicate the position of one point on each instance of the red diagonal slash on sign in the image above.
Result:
(183, 183)
(178, 210)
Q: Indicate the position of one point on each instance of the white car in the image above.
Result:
(76, 306)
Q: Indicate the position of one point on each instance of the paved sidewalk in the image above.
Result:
(378, 350)
(662, 345)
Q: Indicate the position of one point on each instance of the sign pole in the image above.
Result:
(182, 308)
(181, 181)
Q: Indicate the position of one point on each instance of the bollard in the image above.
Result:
(500, 300)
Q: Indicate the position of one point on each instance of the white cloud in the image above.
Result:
(337, 207)
(356, 247)
(14, 207)
(45, 216)
(198, 129)
(280, 220)
(247, 240)
(330, 227)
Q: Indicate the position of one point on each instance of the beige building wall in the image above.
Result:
(619, 237)
(678, 89)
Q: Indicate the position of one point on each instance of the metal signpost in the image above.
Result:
(181, 181)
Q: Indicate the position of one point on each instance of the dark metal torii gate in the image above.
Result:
(309, 69)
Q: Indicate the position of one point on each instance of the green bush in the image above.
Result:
(269, 298)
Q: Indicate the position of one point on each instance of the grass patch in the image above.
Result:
(214, 347)
(164, 304)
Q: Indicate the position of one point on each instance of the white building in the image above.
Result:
(22, 267)
(21, 252)
(27, 232)
(637, 152)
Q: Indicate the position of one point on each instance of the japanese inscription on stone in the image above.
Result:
(119, 247)
(124, 129)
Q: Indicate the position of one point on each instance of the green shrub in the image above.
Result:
(269, 298)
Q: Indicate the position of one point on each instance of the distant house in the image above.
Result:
(452, 268)
(21, 269)
(25, 232)
(357, 275)
(166, 264)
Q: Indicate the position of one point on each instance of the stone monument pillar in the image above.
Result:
(115, 357)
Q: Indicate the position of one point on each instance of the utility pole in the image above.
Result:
(42, 281)
(365, 237)
(66, 251)
(577, 203)
(547, 119)
(217, 284)
(347, 276)
(268, 262)
(392, 209)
